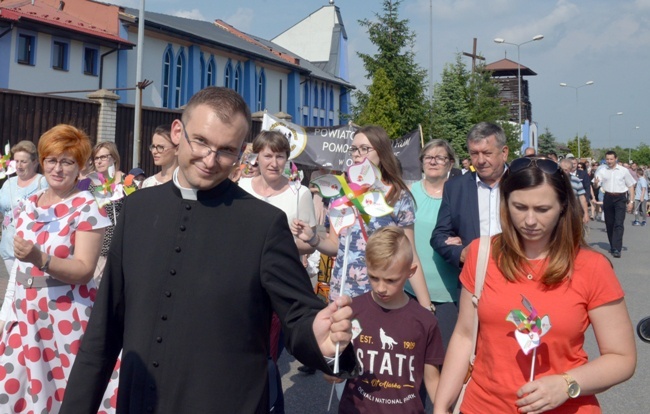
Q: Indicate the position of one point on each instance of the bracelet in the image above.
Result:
(46, 265)
(311, 241)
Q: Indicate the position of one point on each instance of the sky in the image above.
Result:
(604, 41)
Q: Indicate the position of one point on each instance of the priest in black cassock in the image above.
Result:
(195, 269)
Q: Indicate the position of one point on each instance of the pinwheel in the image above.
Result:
(105, 188)
(295, 178)
(361, 195)
(530, 329)
(7, 166)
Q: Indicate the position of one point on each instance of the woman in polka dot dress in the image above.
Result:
(58, 238)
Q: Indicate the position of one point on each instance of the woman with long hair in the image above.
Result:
(371, 142)
(163, 151)
(541, 267)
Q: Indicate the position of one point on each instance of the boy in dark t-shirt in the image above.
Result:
(397, 341)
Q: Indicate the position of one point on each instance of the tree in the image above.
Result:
(585, 146)
(394, 41)
(461, 100)
(546, 142)
(381, 107)
(641, 155)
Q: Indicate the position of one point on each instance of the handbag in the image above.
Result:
(481, 268)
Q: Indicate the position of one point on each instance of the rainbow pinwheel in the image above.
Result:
(363, 192)
(7, 166)
(530, 329)
(105, 188)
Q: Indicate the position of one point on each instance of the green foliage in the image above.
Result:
(641, 155)
(381, 107)
(513, 140)
(461, 100)
(394, 41)
(546, 142)
(585, 147)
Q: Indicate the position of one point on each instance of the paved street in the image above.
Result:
(310, 394)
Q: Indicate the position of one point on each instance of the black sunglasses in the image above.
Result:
(547, 165)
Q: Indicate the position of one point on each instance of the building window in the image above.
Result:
(315, 99)
(60, 55)
(227, 76)
(178, 86)
(261, 91)
(305, 120)
(238, 80)
(211, 79)
(331, 99)
(322, 97)
(305, 95)
(202, 63)
(26, 49)
(167, 77)
(91, 59)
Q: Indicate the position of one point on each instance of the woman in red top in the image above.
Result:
(543, 256)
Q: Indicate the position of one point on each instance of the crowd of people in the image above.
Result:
(181, 296)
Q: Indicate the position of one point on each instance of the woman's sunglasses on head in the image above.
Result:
(547, 165)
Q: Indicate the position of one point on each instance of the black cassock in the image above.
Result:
(187, 295)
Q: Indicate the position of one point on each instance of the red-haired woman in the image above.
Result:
(58, 237)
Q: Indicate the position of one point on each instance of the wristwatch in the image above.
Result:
(573, 388)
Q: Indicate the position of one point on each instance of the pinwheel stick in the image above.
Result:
(344, 276)
(532, 366)
(298, 202)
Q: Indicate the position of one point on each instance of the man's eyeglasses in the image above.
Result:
(544, 164)
(102, 157)
(363, 150)
(159, 148)
(52, 162)
(203, 150)
(439, 159)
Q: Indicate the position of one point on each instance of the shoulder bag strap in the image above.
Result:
(481, 268)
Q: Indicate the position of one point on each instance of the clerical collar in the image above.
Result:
(186, 193)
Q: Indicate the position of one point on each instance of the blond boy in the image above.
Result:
(397, 342)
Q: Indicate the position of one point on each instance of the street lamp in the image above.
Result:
(629, 150)
(500, 40)
(610, 125)
(564, 85)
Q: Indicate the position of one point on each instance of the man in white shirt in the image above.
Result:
(617, 182)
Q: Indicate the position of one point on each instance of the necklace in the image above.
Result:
(534, 271)
(430, 190)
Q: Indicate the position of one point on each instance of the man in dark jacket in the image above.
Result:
(196, 268)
